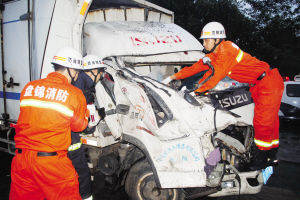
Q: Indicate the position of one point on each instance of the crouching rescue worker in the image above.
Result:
(87, 79)
(49, 109)
(266, 86)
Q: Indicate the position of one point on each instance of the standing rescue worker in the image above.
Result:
(87, 79)
(49, 109)
(266, 86)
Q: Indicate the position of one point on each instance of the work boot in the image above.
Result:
(271, 157)
(88, 198)
(214, 178)
(259, 161)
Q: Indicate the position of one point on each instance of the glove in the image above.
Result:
(101, 112)
(166, 80)
(94, 116)
(182, 91)
(193, 94)
(206, 60)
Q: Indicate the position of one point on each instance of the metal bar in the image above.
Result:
(4, 149)
(7, 141)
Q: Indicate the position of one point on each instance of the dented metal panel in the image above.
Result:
(137, 38)
(168, 59)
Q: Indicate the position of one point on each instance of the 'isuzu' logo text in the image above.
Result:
(233, 100)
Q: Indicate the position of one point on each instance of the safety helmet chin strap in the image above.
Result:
(72, 78)
(95, 75)
(207, 52)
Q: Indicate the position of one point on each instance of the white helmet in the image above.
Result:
(68, 57)
(92, 62)
(213, 30)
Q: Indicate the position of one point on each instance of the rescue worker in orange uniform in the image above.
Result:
(50, 109)
(266, 86)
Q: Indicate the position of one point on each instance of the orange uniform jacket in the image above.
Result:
(49, 109)
(230, 60)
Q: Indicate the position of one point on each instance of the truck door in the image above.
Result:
(15, 56)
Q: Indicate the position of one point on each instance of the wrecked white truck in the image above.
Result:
(154, 139)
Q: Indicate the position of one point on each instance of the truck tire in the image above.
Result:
(140, 185)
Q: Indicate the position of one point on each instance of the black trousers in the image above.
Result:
(77, 156)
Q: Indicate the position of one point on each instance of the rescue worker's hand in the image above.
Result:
(193, 94)
(166, 80)
(206, 60)
(101, 112)
(200, 93)
(94, 115)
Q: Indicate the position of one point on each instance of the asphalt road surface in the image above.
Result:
(283, 185)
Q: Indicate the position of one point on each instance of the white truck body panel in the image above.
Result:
(28, 57)
(60, 31)
(16, 51)
(27, 53)
(1, 82)
(51, 27)
(40, 29)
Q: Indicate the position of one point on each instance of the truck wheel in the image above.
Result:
(140, 185)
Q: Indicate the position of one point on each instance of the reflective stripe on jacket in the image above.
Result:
(74, 147)
(266, 145)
